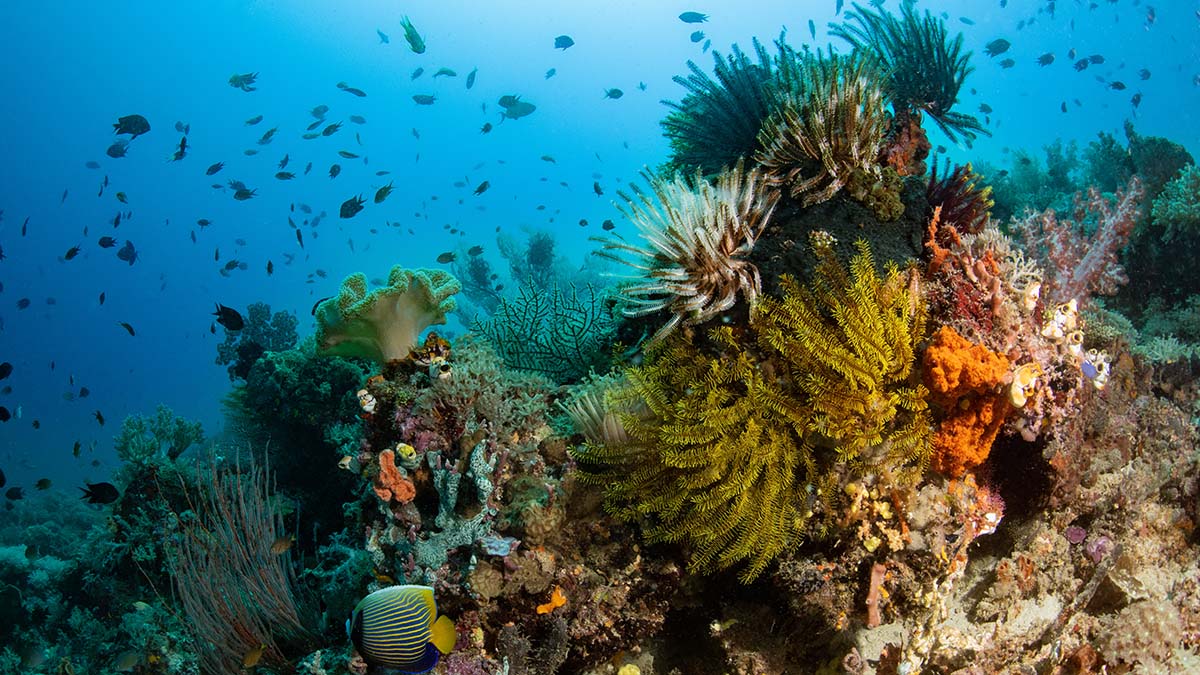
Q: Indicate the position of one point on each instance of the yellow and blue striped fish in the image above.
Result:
(394, 627)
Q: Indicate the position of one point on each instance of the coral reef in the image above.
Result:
(164, 436)
(384, 325)
(725, 436)
(693, 265)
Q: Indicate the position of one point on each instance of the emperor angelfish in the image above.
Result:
(395, 628)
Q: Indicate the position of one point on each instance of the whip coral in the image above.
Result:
(964, 379)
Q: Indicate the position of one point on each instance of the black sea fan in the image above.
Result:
(719, 119)
(926, 68)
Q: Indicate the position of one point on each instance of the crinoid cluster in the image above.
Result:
(965, 204)
(926, 69)
(693, 264)
(731, 441)
(720, 116)
(830, 135)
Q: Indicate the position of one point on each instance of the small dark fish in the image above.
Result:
(285, 175)
(482, 187)
(486, 128)
(100, 493)
(382, 193)
(300, 237)
(985, 108)
(334, 170)
(613, 93)
(693, 17)
(1144, 74)
(997, 47)
(474, 250)
(84, 392)
(102, 296)
(15, 494)
(447, 257)
(128, 328)
(351, 207)
(128, 253)
(351, 90)
(43, 484)
(23, 303)
(1096, 59)
(550, 73)
(444, 72)
(6, 369)
(72, 252)
(358, 119)
(331, 129)
(92, 164)
(117, 149)
(416, 73)
(383, 38)
(74, 450)
(967, 20)
(134, 125)
(608, 225)
(229, 317)
(415, 42)
(583, 222)
(1116, 85)
(597, 189)
(424, 99)
(1081, 64)
(214, 168)
(99, 417)
(253, 120)
(1046, 59)
(347, 154)
(563, 42)
(698, 35)
(1007, 63)
(812, 30)
(270, 268)
(471, 77)
(243, 194)
(1136, 100)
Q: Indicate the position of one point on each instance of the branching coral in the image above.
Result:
(164, 436)
(735, 442)
(925, 68)
(384, 325)
(560, 334)
(829, 137)
(1177, 209)
(697, 238)
(719, 119)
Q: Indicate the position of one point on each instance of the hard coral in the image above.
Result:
(384, 325)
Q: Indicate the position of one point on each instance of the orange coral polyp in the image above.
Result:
(967, 380)
(390, 484)
(557, 599)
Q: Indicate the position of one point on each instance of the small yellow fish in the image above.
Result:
(281, 545)
(253, 656)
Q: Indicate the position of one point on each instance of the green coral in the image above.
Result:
(143, 438)
(1177, 209)
(733, 443)
(384, 325)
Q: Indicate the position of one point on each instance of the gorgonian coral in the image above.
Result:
(697, 235)
(926, 69)
(829, 136)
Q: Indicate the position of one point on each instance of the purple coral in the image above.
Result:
(1099, 547)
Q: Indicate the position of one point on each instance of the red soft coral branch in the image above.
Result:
(1079, 257)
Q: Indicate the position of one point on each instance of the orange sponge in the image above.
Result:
(390, 483)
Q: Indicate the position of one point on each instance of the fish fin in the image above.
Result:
(444, 634)
(428, 662)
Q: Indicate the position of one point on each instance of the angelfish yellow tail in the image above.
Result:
(444, 635)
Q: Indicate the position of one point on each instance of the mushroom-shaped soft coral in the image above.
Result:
(384, 325)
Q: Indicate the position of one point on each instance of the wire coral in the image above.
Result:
(698, 236)
(736, 441)
(965, 380)
(384, 325)
(925, 68)
(833, 131)
(719, 119)
(560, 334)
